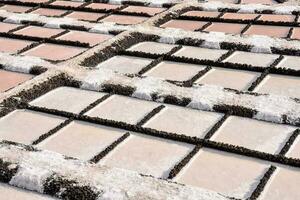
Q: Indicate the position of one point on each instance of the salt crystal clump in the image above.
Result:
(115, 1)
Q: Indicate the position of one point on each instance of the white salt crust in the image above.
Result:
(112, 182)
(30, 178)
(20, 63)
(122, 184)
(204, 97)
(105, 27)
(262, 44)
(97, 78)
(152, 3)
(147, 86)
(246, 8)
(52, 22)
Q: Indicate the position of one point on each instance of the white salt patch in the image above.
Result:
(261, 43)
(30, 177)
(151, 3)
(102, 28)
(213, 5)
(50, 22)
(272, 107)
(270, 117)
(56, 22)
(206, 96)
(170, 35)
(112, 194)
(147, 86)
(285, 9)
(20, 63)
(168, 40)
(246, 8)
(213, 40)
(96, 78)
(159, 3)
(105, 27)
(17, 18)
